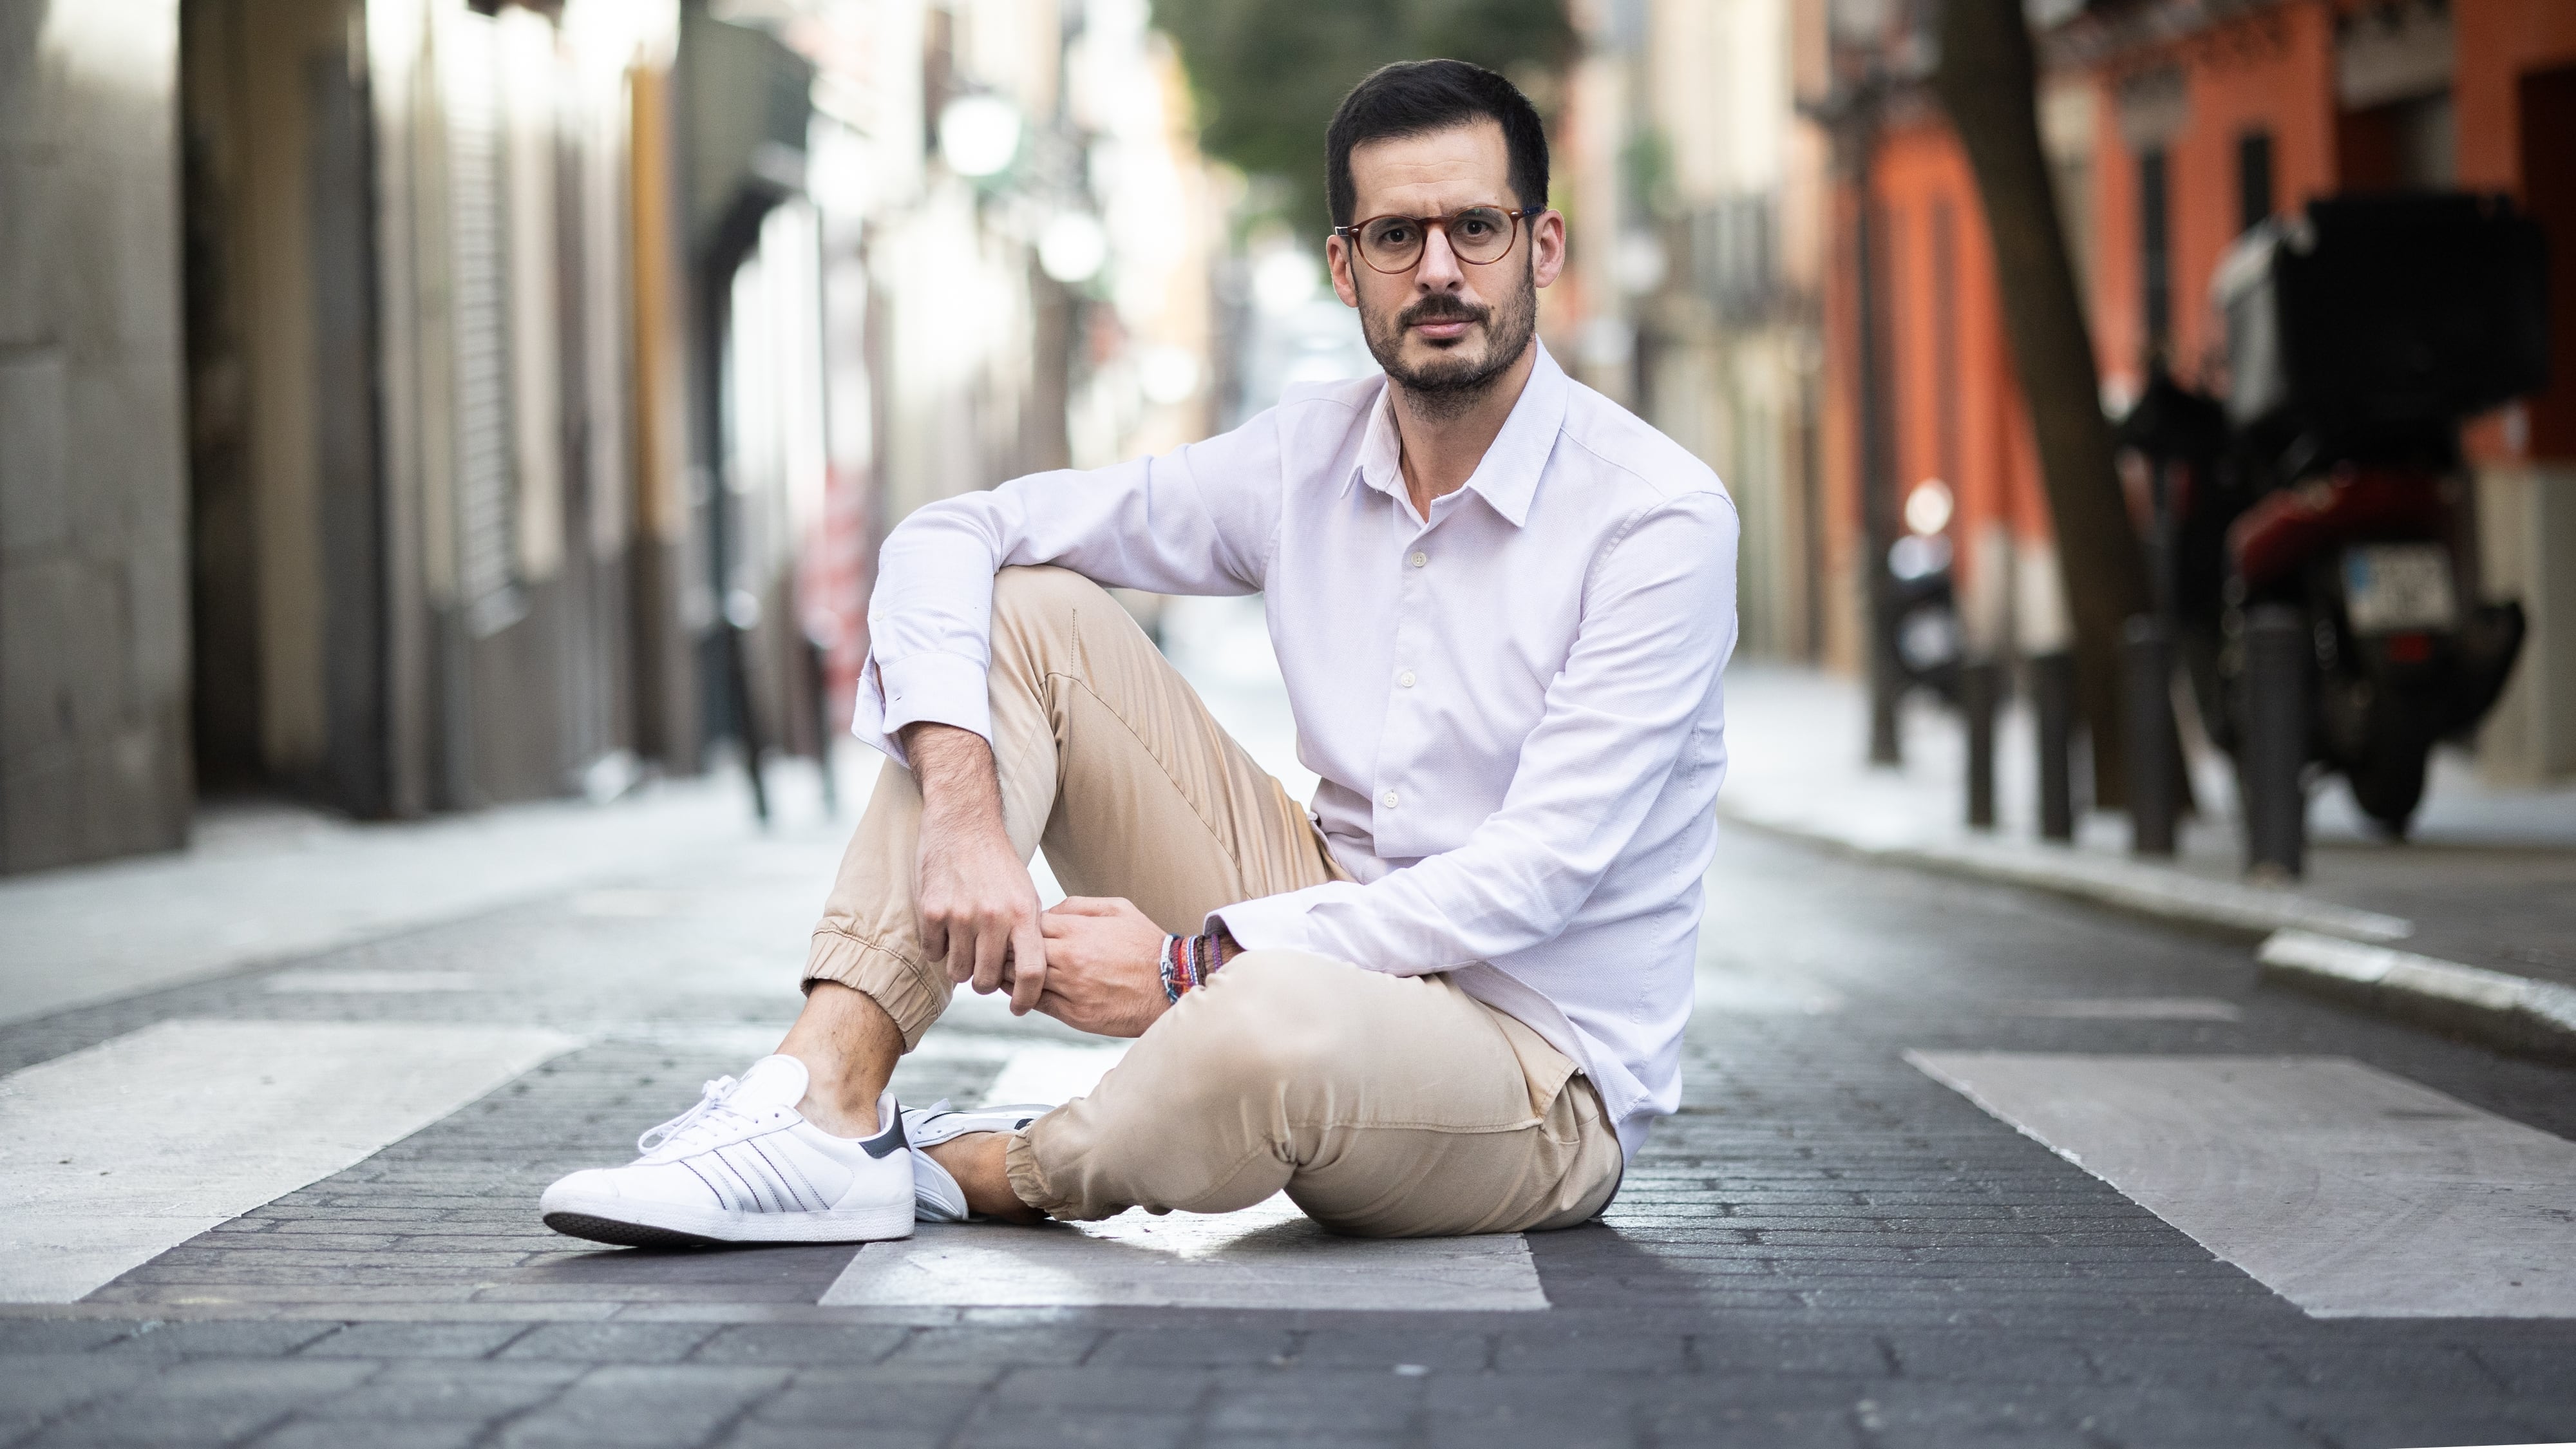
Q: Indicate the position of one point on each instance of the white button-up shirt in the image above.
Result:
(1513, 704)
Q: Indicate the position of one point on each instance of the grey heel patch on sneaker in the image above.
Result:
(889, 1139)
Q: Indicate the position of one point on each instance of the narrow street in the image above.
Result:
(1828, 1246)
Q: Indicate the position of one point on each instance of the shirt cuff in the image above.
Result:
(1274, 923)
(944, 689)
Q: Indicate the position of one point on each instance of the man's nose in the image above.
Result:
(1438, 271)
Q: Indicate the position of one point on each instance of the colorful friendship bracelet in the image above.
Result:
(1187, 962)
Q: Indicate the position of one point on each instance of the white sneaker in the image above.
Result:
(743, 1166)
(936, 1197)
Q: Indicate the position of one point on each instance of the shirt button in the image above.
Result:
(1405, 679)
(1387, 799)
(1420, 558)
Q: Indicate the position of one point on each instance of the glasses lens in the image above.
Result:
(1480, 233)
(1391, 243)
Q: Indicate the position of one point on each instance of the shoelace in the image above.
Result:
(711, 1109)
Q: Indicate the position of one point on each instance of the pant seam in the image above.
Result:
(1216, 835)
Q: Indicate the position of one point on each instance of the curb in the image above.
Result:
(2494, 1007)
(2155, 891)
(2316, 946)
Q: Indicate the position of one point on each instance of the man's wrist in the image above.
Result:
(1186, 962)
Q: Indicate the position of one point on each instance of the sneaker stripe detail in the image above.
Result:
(753, 1200)
(799, 1186)
(766, 1195)
(789, 1190)
(789, 1195)
(724, 1198)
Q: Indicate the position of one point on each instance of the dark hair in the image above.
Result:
(1415, 97)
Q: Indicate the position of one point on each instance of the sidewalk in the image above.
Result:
(271, 881)
(2469, 927)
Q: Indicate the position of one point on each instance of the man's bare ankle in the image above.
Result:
(979, 1162)
(830, 1106)
(848, 1045)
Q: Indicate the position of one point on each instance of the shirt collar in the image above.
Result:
(1507, 477)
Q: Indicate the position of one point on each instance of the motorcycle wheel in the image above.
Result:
(2390, 783)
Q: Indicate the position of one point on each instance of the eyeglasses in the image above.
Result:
(1478, 234)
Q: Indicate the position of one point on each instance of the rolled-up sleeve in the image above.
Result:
(1658, 624)
(1198, 520)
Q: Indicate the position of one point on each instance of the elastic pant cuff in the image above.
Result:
(1028, 1180)
(905, 989)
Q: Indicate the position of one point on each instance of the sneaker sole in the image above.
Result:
(668, 1225)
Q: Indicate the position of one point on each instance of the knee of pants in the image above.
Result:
(1268, 1020)
(1044, 592)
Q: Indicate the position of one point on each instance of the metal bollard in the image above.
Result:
(1980, 685)
(2273, 754)
(2052, 697)
(818, 699)
(2147, 692)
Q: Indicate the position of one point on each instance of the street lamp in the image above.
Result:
(979, 135)
(1073, 248)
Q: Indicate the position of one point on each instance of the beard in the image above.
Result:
(1450, 383)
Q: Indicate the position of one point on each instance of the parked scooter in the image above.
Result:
(2359, 336)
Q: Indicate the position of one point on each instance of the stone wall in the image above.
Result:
(94, 754)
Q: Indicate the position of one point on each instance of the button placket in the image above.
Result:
(1392, 731)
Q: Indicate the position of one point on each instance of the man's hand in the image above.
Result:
(978, 907)
(1104, 967)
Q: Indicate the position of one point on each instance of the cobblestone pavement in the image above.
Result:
(1826, 1248)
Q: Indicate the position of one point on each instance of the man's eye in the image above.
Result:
(1475, 226)
(1395, 236)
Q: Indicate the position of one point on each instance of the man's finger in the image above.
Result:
(1028, 967)
(991, 941)
(1088, 906)
(1054, 1003)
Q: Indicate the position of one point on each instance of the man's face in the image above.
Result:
(1446, 328)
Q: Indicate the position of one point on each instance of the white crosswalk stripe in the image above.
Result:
(2336, 1185)
(112, 1155)
(1267, 1256)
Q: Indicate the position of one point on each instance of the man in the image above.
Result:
(1448, 998)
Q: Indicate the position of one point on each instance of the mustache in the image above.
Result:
(1441, 307)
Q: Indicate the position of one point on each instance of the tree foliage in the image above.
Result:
(1266, 74)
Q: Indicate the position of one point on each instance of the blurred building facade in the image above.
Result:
(2171, 127)
(1694, 199)
(410, 405)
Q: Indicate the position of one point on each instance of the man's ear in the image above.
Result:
(1337, 259)
(1547, 247)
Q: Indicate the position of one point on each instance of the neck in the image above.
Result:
(1442, 445)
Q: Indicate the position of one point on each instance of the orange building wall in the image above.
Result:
(2499, 42)
(2272, 71)
(1957, 413)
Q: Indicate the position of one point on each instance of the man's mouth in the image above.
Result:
(1442, 324)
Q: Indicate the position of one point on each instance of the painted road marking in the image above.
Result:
(1267, 1256)
(1735, 993)
(2125, 1008)
(115, 1154)
(2348, 1191)
(370, 983)
(1052, 1074)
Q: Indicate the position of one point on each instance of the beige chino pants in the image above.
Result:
(1385, 1106)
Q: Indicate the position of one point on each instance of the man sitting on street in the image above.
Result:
(1448, 997)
